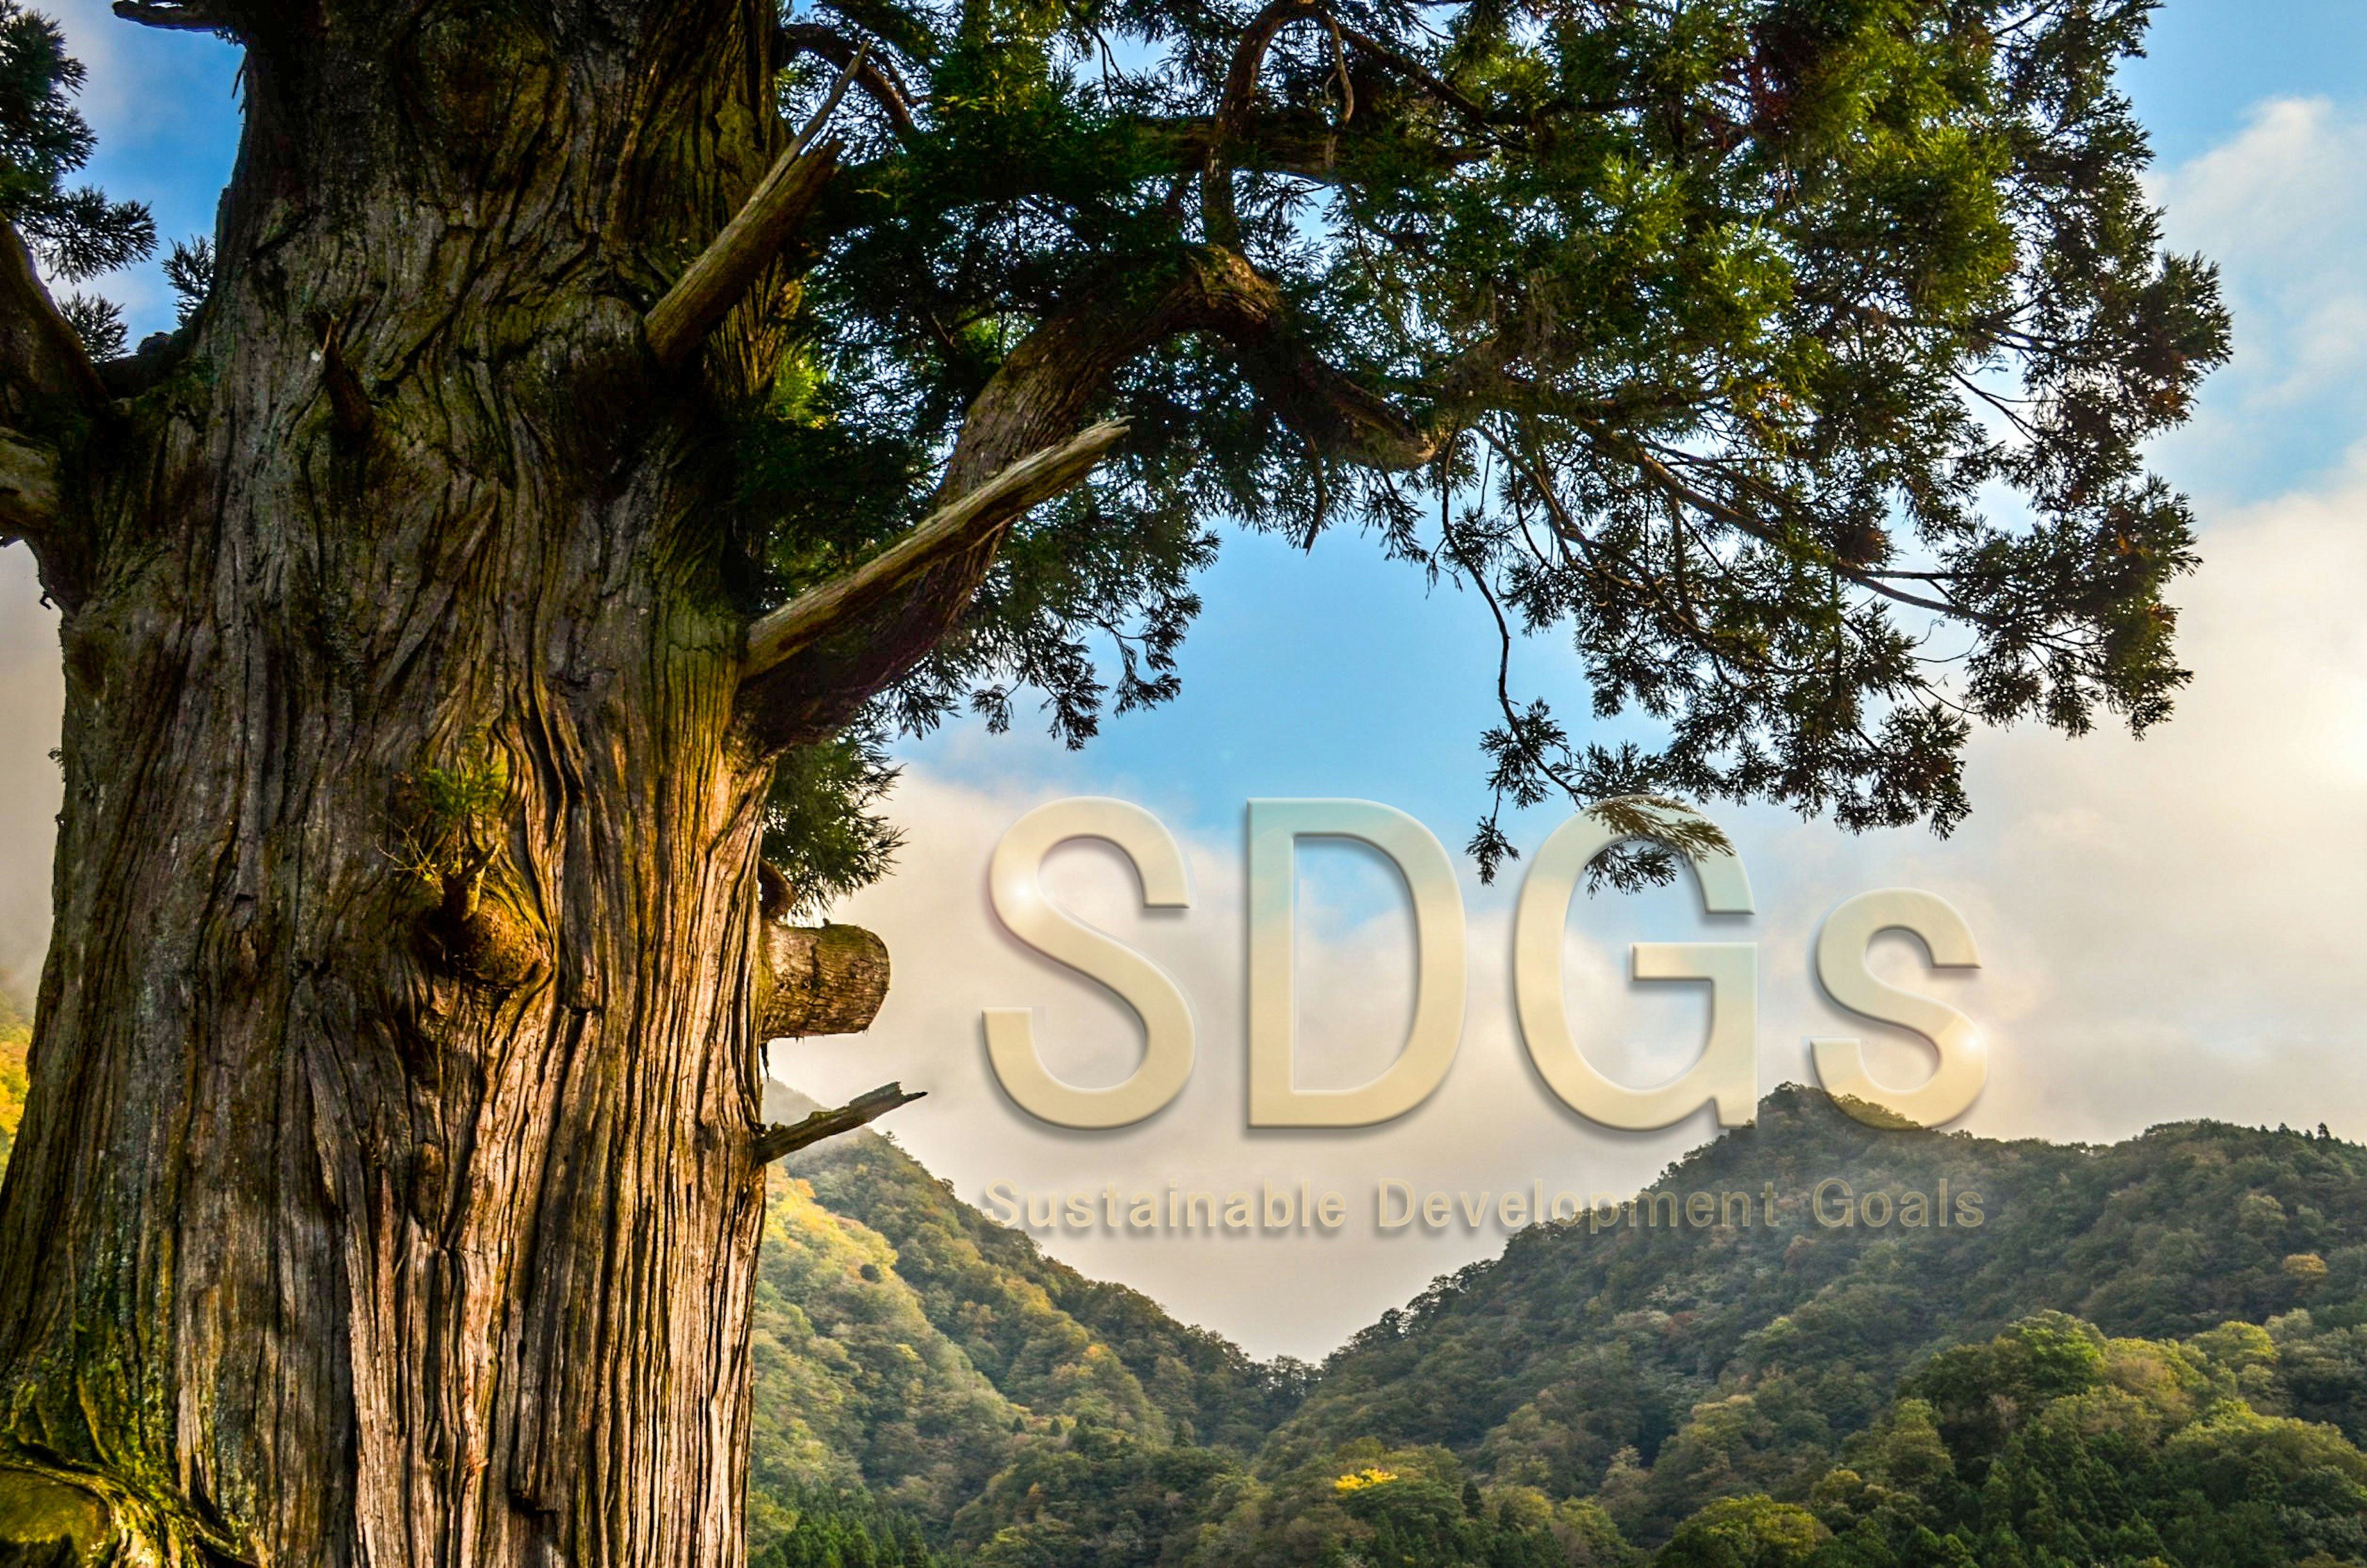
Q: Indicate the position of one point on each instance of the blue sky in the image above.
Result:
(2168, 929)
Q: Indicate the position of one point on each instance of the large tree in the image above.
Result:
(599, 421)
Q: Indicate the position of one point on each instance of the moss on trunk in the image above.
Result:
(356, 1218)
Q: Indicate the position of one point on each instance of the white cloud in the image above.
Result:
(2281, 210)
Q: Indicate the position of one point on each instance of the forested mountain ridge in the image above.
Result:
(1546, 1362)
(908, 1351)
(1585, 1392)
(1038, 1328)
(2148, 1353)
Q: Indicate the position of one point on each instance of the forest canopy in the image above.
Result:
(2154, 1352)
(1792, 358)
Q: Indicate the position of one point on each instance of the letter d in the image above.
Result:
(1275, 828)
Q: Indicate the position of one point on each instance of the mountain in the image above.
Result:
(1760, 1386)
(1727, 1357)
(908, 1351)
(15, 1040)
(1047, 1337)
(2151, 1354)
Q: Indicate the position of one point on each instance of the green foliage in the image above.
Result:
(2119, 1365)
(78, 233)
(822, 828)
(910, 1352)
(1385, 1508)
(189, 270)
(1744, 1533)
(839, 1530)
(2052, 1443)
(15, 1040)
(1048, 1338)
(857, 1392)
(1096, 1499)
(1770, 344)
(98, 322)
(1655, 1367)
(448, 818)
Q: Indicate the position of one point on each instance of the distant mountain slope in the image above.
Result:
(1657, 1366)
(855, 1390)
(1045, 1335)
(907, 1350)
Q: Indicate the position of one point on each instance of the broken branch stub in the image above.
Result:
(827, 979)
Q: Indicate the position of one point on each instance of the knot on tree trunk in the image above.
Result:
(478, 939)
(827, 979)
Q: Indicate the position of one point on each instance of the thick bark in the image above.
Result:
(363, 1213)
(390, 1187)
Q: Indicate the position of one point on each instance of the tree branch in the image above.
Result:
(775, 1142)
(181, 15)
(1224, 294)
(43, 368)
(812, 665)
(878, 82)
(47, 382)
(724, 271)
(951, 530)
(827, 979)
(1237, 108)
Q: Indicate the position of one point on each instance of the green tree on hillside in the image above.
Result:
(567, 444)
(2053, 1444)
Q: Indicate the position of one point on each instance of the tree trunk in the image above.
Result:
(388, 1192)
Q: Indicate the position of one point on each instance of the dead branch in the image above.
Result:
(827, 979)
(180, 15)
(718, 280)
(878, 80)
(975, 518)
(775, 1142)
(43, 368)
(812, 665)
(47, 384)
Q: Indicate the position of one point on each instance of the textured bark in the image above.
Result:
(820, 980)
(351, 1221)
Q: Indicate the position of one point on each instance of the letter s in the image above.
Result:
(1841, 969)
(1012, 883)
(1003, 1195)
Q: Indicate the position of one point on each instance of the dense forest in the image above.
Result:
(2148, 1353)
(2151, 1352)
(15, 1040)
